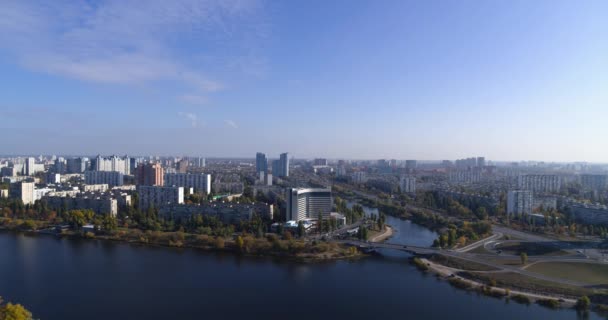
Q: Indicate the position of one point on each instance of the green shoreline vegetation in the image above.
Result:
(197, 231)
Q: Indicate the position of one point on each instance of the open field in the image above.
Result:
(461, 263)
(520, 282)
(532, 249)
(583, 272)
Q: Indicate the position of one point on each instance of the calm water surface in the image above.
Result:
(77, 279)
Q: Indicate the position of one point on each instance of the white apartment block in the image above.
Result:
(113, 163)
(111, 178)
(200, 182)
(539, 182)
(519, 202)
(408, 184)
(157, 196)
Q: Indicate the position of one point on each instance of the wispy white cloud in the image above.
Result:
(122, 42)
(231, 124)
(192, 117)
(194, 99)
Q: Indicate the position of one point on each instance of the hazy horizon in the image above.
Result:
(431, 80)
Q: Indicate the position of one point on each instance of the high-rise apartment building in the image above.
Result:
(150, 174)
(519, 202)
(200, 182)
(113, 163)
(408, 184)
(261, 163)
(280, 167)
(111, 178)
(157, 197)
(594, 181)
(182, 166)
(29, 168)
(25, 191)
(411, 165)
(76, 165)
(320, 162)
(539, 182)
(308, 203)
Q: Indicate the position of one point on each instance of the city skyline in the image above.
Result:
(397, 79)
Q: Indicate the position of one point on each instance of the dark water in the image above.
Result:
(89, 279)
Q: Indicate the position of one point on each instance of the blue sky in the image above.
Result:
(427, 79)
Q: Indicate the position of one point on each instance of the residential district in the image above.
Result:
(535, 228)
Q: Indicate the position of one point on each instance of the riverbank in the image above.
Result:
(388, 232)
(451, 274)
(270, 245)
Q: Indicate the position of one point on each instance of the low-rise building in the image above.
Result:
(228, 212)
(95, 187)
(100, 203)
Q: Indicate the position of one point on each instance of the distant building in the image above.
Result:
(95, 187)
(30, 167)
(157, 197)
(200, 182)
(589, 213)
(261, 163)
(320, 162)
(359, 177)
(113, 163)
(228, 212)
(53, 178)
(308, 203)
(199, 162)
(182, 166)
(111, 178)
(408, 184)
(411, 165)
(594, 181)
(519, 202)
(9, 171)
(23, 191)
(76, 165)
(481, 161)
(150, 174)
(280, 167)
(465, 176)
(100, 203)
(539, 182)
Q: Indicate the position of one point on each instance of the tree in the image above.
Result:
(240, 243)
(524, 257)
(287, 235)
(109, 223)
(362, 234)
(320, 223)
(219, 243)
(583, 303)
(11, 311)
(301, 229)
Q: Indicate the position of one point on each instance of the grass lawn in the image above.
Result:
(461, 264)
(532, 249)
(583, 272)
(516, 281)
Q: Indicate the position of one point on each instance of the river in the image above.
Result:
(89, 279)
